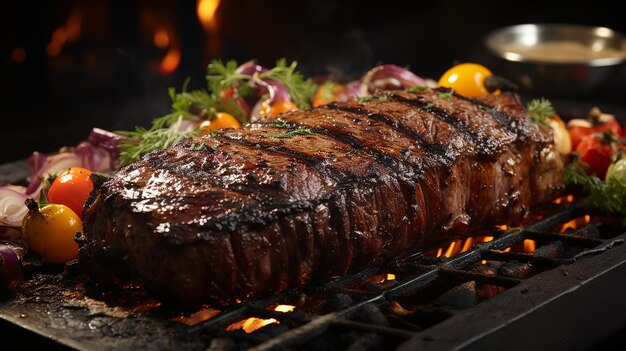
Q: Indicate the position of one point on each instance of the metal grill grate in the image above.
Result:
(469, 300)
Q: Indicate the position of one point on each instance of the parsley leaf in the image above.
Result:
(224, 75)
(540, 111)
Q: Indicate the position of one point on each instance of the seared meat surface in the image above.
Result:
(319, 193)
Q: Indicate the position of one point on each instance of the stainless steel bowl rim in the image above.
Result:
(491, 41)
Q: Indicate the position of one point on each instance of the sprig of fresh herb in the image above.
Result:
(280, 123)
(301, 90)
(290, 134)
(383, 97)
(540, 111)
(605, 196)
(142, 141)
(445, 94)
(418, 89)
(224, 75)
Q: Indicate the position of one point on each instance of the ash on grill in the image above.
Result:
(399, 306)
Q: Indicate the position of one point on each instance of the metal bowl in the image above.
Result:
(558, 59)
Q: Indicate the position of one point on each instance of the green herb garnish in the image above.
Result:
(279, 123)
(605, 196)
(382, 97)
(224, 75)
(445, 94)
(142, 141)
(540, 111)
(299, 131)
(429, 105)
(418, 89)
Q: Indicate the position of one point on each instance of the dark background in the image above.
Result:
(106, 73)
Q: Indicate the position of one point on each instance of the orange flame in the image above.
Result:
(206, 13)
(391, 276)
(161, 38)
(251, 324)
(69, 32)
(164, 38)
(170, 61)
(576, 223)
(529, 245)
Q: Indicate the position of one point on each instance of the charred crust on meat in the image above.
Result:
(375, 181)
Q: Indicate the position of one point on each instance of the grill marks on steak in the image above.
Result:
(250, 214)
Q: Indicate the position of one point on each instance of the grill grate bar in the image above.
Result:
(380, 329)
(524, 257)
(506, 282)
(430, 273)
(572, 239)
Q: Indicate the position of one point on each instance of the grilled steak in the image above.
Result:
(319, 193)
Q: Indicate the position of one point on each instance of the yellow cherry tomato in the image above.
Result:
(50, 232)
(274, 109)
(222, 120)
(279, 107)
(467, 79)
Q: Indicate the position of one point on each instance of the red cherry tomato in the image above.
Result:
(596, 150)
(71, 188)
(579, 128)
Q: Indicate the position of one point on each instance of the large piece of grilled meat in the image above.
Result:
(320, 193)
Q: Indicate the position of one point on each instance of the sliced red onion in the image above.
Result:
(276, 91)
(187, 125)
(107, 140)
(11, 258)
(53, 164)
(35, 162)
(12, 206)
(389, 77)
(352, 90)
(94, 158)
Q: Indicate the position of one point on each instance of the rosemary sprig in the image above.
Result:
(290, 134)
(142, 141)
